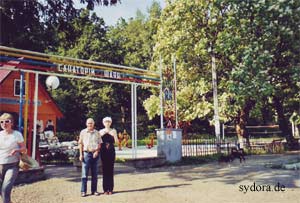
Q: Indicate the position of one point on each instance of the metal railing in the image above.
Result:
(204, 147)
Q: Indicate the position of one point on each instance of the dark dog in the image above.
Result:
(235, 153)
(224, 158)
(238, 153)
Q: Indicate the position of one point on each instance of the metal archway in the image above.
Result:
(45, 64)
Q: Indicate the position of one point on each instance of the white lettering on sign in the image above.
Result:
(112, 74)
(75, 69)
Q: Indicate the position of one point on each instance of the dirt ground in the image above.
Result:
(213, 182)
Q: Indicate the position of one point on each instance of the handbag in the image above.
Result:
(26, 162)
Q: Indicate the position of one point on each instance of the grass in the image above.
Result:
(255, 151)
(141, 142)
(120, 160)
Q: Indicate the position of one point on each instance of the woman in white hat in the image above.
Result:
(11, 145)
(108, 154)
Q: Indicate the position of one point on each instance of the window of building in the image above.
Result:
(17, 86)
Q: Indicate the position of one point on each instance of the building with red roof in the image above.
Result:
(10, 97)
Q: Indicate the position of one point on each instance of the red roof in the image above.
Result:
(4, 73)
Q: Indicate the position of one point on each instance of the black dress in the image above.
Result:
(108, 156)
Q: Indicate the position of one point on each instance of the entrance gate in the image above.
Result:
(45, 64)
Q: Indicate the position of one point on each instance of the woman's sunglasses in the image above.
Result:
(6, 121)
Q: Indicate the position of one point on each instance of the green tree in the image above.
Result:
(34, 24)
(91, 99)
(242, 36)
(135, 37)
(21, 26)
(134, 43)
(128, 43)
(263, 47)
(285, 70)
(185, 32)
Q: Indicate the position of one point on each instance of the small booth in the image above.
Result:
(169, 144)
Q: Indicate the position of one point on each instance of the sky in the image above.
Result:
(126, 9)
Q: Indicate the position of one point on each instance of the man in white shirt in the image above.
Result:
(89, 147)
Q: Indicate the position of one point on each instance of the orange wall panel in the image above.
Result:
(46, 109)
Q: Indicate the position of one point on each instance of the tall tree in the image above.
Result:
(21, 26)
(285, 69)
(34, 24)
(134, 43)
(91, 98)
(242, 36)
(186, 31)
(263, 46)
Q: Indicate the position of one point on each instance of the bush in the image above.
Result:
(142, 142)
(66, 136)
(255, 151)
(199, 136)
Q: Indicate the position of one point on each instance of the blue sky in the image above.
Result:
(126, 9)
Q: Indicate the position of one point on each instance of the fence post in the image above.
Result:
(228, 148)
(223, 131)
(293, 128)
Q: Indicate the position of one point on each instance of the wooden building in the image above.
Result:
(10, 98)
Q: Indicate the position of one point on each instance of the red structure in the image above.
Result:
(10, 100)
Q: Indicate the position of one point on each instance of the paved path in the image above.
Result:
(142, 152)
(207, 183)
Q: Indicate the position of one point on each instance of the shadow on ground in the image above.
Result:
(253, 170)
(152, 188)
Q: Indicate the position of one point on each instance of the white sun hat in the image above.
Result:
(107, 119)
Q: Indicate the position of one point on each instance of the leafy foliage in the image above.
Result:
(256, 49)
(256, 44)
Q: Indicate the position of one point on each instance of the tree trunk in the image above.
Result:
(265, 113)
(283, 124)
(185, 126)
(242, 120)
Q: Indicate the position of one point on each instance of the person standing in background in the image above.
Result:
(120, 138)
(126, 138)
(49, 132)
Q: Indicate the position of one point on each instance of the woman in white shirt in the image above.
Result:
(11, 145)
